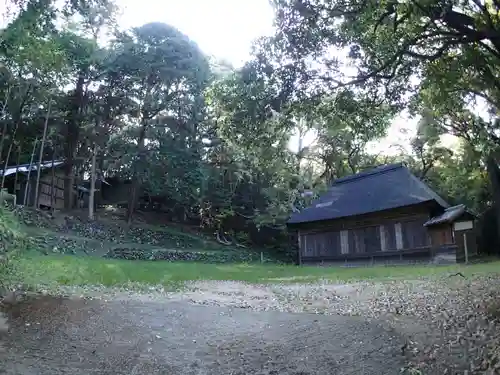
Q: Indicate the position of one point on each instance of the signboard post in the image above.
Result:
(464, 226)
(465, 249)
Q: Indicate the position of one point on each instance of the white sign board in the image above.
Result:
(463, 225)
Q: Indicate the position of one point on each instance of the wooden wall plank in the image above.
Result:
(399, 235)
(383, 239)
(344, 242)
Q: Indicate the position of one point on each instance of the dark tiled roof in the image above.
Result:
(381, 188)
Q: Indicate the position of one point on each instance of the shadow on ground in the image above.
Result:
(51, 335)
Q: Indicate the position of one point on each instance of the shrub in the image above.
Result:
(12, 242)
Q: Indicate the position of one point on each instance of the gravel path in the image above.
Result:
(149, 336)
(440, 326)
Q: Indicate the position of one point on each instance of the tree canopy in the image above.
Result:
(236, 151)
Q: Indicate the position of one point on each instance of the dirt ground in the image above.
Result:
(154, 336)
(438, 326)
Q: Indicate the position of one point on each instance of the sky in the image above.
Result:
(223, 28)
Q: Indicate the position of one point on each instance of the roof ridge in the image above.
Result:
(455, 207)
(381, 169)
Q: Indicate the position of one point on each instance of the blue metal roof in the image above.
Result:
(23, 168)
(382, 188)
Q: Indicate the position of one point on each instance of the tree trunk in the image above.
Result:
(17, 168)
(8, 155)
(494, 175)
(71, 140)
(52, 183)
(26, 188)
(98, 183)
(40, 156)
(4, 129)
(92, 183)
(78, 179)
(5, 166)
(134, 191)
(17, 120)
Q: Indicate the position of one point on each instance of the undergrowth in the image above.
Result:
(13, 242)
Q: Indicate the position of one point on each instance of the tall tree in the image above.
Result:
(162, 71)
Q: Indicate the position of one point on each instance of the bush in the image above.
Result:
(12, 242)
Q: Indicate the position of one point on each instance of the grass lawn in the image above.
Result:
(71, 270)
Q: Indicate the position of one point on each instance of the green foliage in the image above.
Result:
(12, 242)
(214, 146)
(462, 179)
(437, 59)
(10, 230)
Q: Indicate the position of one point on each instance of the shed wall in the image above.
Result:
(44, 191)
(47, 196)
(381, 234)
(441, 234)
